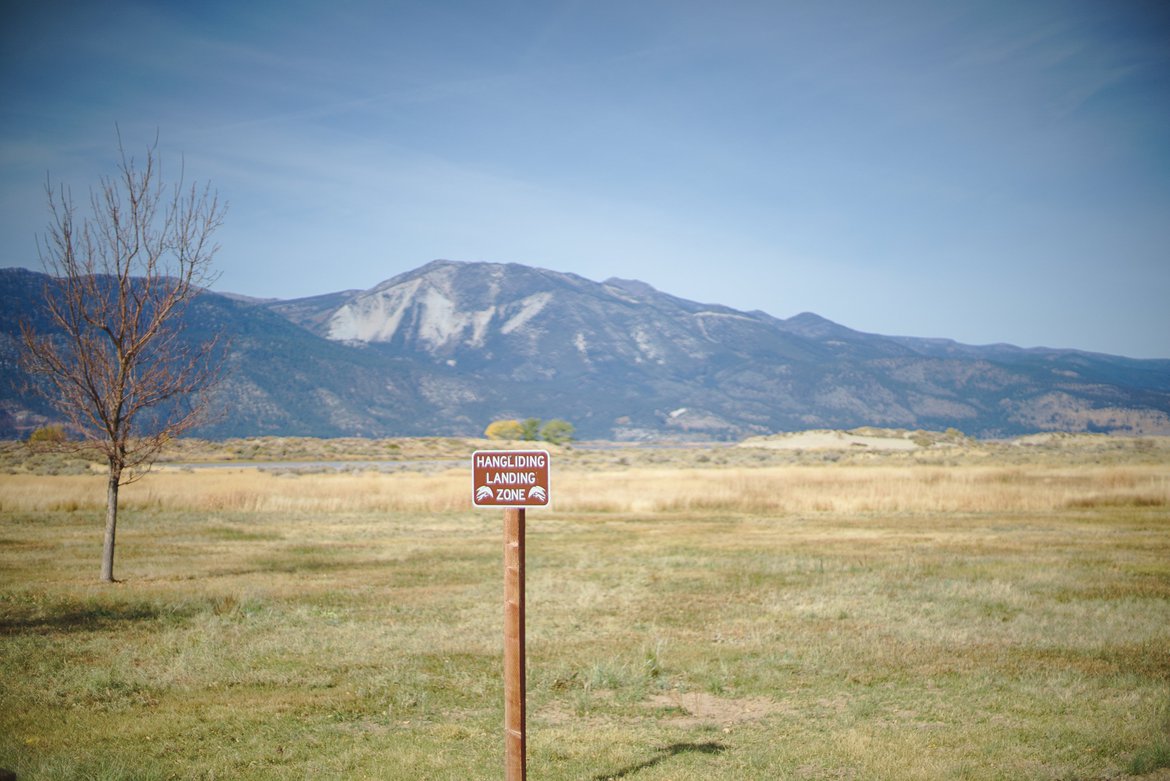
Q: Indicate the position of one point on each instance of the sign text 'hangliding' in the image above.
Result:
(510, 478)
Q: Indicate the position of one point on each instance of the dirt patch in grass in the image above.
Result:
(674, 709)
(696, 709)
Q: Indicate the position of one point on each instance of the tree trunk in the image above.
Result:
(111, 523)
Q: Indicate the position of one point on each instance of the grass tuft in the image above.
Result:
(1156, 754)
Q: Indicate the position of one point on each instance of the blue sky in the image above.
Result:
(983, 171)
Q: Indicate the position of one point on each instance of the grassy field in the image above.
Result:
(966, 612)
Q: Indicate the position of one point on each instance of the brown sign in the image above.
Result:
(509, 478)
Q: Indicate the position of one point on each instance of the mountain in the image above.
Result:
(449, 347)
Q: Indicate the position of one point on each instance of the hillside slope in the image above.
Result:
(448, 347)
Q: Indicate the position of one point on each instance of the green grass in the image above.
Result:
(684, 646)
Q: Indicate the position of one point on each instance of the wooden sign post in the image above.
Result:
(515, 694)
(514, 480)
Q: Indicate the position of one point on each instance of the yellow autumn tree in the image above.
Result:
(504, 429)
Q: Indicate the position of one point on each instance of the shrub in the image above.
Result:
(530, 429)
(557, 431)
(48, 435)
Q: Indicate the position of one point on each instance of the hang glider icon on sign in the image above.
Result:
(483, 492)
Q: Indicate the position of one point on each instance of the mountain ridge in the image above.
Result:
(447, 347)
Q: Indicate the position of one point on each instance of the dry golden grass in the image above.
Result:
(877, 489)
(766, 490)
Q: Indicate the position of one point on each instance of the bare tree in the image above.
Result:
(115, 362)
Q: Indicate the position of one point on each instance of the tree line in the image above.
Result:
(556, 431)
